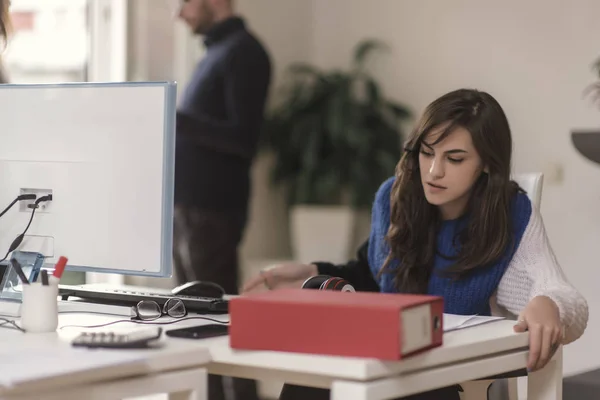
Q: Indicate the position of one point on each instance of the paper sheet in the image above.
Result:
(453, 322)
(22, 366)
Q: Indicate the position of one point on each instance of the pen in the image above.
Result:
(15, 264)
(44, 277)
(60, 266)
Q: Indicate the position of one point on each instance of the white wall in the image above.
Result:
(285, 28)
(535, 58)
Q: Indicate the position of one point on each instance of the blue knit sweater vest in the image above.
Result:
(466, 296)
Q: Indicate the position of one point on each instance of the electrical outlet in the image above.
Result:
(27, 205)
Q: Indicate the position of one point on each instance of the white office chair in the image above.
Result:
(532, 183)
(477, 390)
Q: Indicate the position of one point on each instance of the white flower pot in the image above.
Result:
(321, 233)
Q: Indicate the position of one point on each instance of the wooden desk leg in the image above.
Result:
(200, 392)
(546, 384)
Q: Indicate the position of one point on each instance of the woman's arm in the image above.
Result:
(356, 271)
(534, 271)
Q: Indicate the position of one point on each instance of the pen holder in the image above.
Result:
(39, 307)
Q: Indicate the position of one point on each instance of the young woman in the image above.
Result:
(452, 223)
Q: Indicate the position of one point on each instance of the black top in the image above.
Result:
(219, 119)
(357, 271)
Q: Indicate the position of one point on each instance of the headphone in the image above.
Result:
(326, 282)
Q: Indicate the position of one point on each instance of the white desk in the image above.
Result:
(467, 354)
(175, 368)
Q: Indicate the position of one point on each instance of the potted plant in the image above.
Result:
(587, 141)
(335, 138)
(594, 88)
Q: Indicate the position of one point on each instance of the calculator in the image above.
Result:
(142, 338)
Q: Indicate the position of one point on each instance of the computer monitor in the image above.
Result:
(105, 152)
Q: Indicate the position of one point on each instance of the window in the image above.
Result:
(67, 41)
(49, 41)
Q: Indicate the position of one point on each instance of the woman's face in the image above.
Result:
(449, 170)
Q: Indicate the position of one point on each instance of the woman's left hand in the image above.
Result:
(541, 318)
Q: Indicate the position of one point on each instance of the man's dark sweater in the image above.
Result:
(219, 120)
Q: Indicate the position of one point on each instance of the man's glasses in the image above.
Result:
(148, 310)
(12, 323)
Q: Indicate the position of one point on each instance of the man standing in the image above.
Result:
(218, 125)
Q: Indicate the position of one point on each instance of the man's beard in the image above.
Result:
(207, 22)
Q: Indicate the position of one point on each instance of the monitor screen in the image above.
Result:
(105, 153)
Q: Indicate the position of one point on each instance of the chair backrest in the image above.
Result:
(532, 183)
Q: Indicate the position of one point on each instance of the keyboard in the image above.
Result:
(130, 297)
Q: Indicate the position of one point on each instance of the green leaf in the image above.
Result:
(364, 49)
(373, 92)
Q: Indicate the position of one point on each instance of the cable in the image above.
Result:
(34, 207)
(18, 198)
(19, 238)
(146, 322)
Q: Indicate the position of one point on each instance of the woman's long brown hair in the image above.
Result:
(414, 222)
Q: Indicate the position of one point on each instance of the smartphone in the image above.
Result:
(200, 331)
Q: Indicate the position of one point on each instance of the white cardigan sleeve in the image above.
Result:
(534, 271)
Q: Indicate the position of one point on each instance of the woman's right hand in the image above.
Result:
(287, 275)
